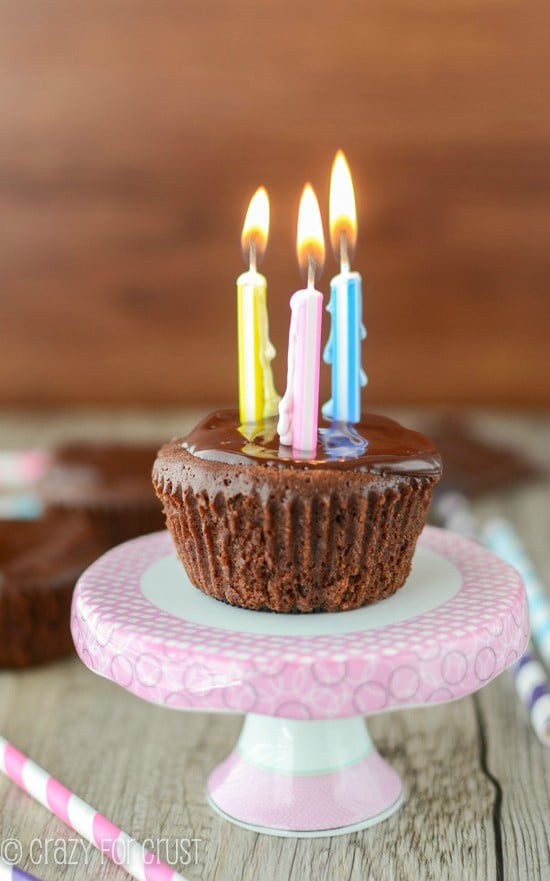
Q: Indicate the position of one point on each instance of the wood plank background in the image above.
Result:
(132, 135)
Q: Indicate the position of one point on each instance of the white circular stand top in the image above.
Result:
(460, 619)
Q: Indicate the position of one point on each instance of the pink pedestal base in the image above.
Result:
(305, 779)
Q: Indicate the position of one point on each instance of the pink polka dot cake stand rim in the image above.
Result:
(304, 764)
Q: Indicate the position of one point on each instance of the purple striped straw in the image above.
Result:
(14, 873)
(530, 676)
(532, 686)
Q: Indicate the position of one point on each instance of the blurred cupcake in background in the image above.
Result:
(108, 483)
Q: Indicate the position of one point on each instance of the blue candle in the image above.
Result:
(347, 331)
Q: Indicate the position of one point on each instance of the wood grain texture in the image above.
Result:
(133, 133)
(478, 781)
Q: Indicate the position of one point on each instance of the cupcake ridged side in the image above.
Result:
(288, 539)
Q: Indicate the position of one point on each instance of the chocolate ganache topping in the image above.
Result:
(375, 444)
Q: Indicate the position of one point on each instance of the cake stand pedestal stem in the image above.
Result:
(324, 777)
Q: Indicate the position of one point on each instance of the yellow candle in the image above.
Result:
(258, 398)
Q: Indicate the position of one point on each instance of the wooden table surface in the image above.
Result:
(478, 780)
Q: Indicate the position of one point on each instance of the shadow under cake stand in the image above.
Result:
(304, 764)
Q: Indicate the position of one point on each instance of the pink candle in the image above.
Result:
(299, 408)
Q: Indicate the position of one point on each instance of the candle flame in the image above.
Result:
(256, 225)
(342, 210)
(310, 241)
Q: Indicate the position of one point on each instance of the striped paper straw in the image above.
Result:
(22, 467)
(82, 818)
(531, 681)
(20, 506)
(532, 686)
(500, 536)
(14, 873)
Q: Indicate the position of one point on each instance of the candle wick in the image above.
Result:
(252, 255)
(344, 256)
(311, 271)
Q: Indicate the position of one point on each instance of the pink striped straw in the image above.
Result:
(82, 818)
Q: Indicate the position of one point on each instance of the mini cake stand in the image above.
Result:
(304, 764)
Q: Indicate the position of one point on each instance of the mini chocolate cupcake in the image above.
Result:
(259, 528)
(40, 562)
(108, 482)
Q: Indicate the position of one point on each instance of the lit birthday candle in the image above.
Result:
(257, 396)
(299, 408)
(343, 349)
